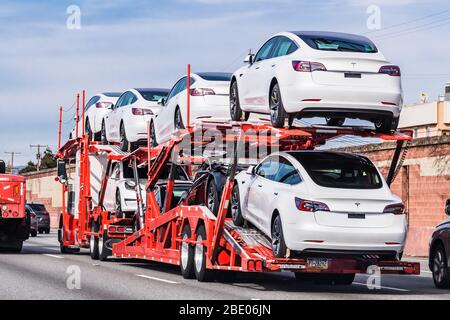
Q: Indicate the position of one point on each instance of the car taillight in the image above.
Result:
(141, 112)
(390, 70)
(202, 92)
(310, 206)
(308, 66)
(33, 216)
(397, 209)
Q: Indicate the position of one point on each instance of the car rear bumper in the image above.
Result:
(303, 95)
(300, 237)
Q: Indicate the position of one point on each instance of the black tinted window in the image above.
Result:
(268, 168)
(154, 95)
(266, 50)
(215, 76)
(338, 42)
(287, 173)
(284, 47)
(339, 170)
(92, 101)
(38, 208)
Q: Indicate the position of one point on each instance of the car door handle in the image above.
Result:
(275, 193)
(274, 65)
(260, 185)
(257, 68)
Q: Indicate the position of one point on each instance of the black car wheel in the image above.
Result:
(439, 267)
(104, 250)
(47, 231)
(153, 141)
(124, 143)
(104, 139)
(383, 125)
(119, 212)
(178, 121)
(88, 130)
(278, 244)
(93, 242)
(235, 106)
(212, 197)
(277, 113)
(236, 213)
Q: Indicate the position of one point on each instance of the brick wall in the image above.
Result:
(423, 183)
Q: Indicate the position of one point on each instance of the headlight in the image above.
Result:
(130, 185)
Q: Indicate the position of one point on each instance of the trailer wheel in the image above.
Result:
(104, 251)
(236, 212)
(202, 273)
(93, 242)
(439, 267)
(187, 255)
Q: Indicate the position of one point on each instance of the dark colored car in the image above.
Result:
(439, 258)
(42, 215)
(33, 218)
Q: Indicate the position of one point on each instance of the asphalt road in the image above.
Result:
(41, 272)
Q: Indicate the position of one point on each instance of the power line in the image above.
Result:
(38, 154)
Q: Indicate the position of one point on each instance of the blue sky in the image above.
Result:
(123, 44)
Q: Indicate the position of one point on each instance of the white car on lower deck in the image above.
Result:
(209, 96)
(318, 74)
(321, 202)
(127, 123)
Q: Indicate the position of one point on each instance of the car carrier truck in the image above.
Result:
(14, 223)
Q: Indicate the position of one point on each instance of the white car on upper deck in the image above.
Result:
(326, 74)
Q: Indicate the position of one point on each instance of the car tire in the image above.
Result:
(88, 130)
(41, 231)
(236, 213)
(277, 113)
(383, 125)
(212, 197)
(125, 145)
(335, 121)
(439, 268)
(93, 242)
(104, 139)
(119, 211)
(33, 233)
(202, 273)
(178, 120)
(235, 105)
(279, 247)
(47, 231)
(103, 250)
(187, 255)
(153, 141)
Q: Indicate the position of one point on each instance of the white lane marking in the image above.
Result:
(157, 279)
(426, 271)
(52, 256)
(382, 287)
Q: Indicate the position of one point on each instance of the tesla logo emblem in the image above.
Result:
(357, 204)
(353, 64)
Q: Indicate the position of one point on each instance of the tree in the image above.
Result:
(48, 160)
(31, 167)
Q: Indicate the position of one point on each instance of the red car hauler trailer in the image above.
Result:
(190, 235)
(14, 223)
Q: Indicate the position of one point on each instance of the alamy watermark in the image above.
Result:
(74, 17)
(73, 280)
(374, 20)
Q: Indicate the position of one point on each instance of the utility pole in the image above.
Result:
(38, 154)
(12, 153)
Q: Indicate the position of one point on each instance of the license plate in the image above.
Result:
(356, 216)
(317, 263)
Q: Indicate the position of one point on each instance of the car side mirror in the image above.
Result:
(2, 167)
(447, 207)
(251, 170)
(250, 58)
(111, 106)
(162, 102)
(62, 171)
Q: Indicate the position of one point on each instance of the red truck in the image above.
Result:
(14, 222)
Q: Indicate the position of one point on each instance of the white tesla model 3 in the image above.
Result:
(320, 202)
(96, 109)
(127, 123)
(209, 98)
(324, 74)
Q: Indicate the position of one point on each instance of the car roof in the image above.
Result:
(151, 89)
(112, 94)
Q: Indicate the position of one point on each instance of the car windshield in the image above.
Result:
(154, 95)
(338, 42)
(339, 170)
(215, 76)
(38, 208)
